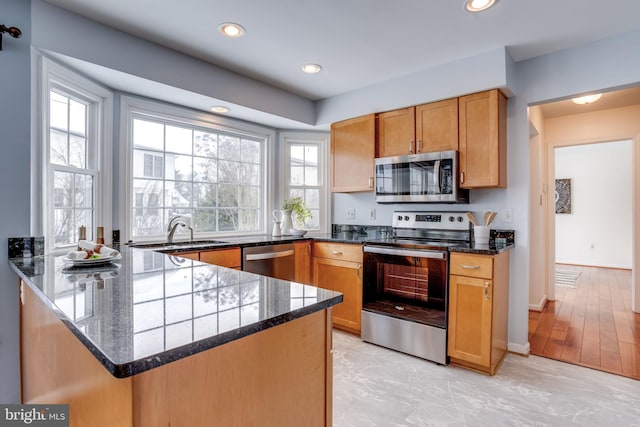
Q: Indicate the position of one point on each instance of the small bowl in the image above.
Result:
(297, 232)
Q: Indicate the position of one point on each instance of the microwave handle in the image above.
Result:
(436, 176)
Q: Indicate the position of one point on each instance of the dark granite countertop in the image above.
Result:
(150, 308)
(481, 249)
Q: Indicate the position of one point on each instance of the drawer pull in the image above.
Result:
(470, 267)
(486, 291)
(336, 252)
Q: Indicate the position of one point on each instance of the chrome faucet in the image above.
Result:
(174, 222)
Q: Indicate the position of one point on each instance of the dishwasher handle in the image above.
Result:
(268, 255)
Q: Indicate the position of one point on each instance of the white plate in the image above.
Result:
(91, 262)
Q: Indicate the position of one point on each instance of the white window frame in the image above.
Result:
(320, 139)
(131, 106)
(100, 130)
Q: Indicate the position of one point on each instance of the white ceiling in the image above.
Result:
(358, 42)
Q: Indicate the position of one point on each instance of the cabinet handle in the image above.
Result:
(370, 182)
(461, 177)
(359, 268)
(419, 146)
(411, 146)
(336, 252)
(309, 249)
(470, 267)
(486, 291)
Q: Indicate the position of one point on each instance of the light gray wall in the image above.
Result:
(609, 63)
(14, 180)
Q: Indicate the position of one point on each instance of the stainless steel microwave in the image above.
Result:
(419, 178)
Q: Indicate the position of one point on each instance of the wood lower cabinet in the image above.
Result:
(302, 252)
(338, 267)
(483, 139)
(353, 146)
(478, 310)
(230, 258)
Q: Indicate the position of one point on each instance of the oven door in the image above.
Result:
(407, 284)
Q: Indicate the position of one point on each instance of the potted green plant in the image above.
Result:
(297, 206)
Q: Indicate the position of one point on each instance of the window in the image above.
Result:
(305, 175)
(74, 138)
(184, 164)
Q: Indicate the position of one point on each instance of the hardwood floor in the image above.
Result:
(592, 324)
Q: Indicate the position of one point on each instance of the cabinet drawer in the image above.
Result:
(471, 265)
(223, 257)
(190, 255)
(340, 251)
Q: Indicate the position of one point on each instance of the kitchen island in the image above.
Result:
(160, 340)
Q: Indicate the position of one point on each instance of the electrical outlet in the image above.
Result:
(351, 213)
(507, 215)
(372, 214)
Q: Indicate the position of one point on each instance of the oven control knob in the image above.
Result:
(451, 219)
(399, 217)
(460, 219)
(406, 218)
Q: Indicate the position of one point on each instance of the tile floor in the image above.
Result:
(374, 386)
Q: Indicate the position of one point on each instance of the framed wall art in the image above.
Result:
(563, 196)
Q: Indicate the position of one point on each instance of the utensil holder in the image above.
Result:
(481, 234)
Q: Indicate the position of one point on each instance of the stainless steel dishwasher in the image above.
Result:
(271, 260)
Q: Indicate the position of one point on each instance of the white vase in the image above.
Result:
(287, 222)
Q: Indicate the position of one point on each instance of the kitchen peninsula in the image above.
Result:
(161, 340)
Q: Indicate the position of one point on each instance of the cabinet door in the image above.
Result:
(470, 319)
(230, 258)
(303, 262)
(353, 145)
(396, 133)
(437, 126)
(483, 140)
(344, 277)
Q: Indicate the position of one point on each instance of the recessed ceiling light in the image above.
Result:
(587, 99)
(231, 29)
(479, 5)
(311, 68)
(220, 109)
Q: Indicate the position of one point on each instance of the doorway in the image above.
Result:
(577, 324)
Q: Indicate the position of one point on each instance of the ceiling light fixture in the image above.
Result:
(231, 29)
(220, 109)
(479, 5)
(311, 68)
(587, 99)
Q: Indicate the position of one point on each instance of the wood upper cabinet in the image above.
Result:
(396, 133)
(478, 310)
(483, 139)
(338, 267)
(437, 126)
(421, 129)
(302, 252)
(353, 146)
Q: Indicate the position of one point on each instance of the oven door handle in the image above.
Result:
(405, 252)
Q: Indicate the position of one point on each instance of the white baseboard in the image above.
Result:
(540, 305)
(523, 349)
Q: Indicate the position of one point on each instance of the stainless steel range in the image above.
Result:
(406, 277)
